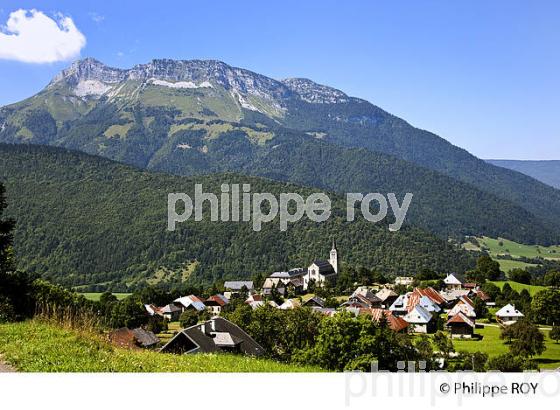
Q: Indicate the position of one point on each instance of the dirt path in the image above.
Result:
(5, 368)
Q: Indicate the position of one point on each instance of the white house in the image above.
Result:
(322, 271)
(420, 319)
(404, 280)
(453, 281)
(508, 314)
(464, 308)
(190, 302)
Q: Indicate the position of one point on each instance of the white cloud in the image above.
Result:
(31, 36)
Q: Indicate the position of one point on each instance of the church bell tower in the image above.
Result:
(333, 257)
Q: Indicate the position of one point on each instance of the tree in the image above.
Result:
(129, 312)
(520, 275)
(545, 307)
(480, 307)
(525, 338)
(554, 333)
(552, 278)
(488, 268)
(491, 290)
(475, 362)
(188, 318)
(508, 362)
(443, 344)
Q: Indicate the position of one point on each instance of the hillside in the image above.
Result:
(86, 220)
(34, 346)
(201, 117)
(547, 172)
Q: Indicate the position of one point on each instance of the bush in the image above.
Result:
(508, 362)
(188, 318)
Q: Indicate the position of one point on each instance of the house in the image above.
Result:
(463, 308)
(214, 335)
(430, 293)
(236, 287)
(404, 280)
(190, 302)
(420, 320)
(452, 296)
(314, 302)
(460, 326)
(170, 312)
(214, 304)
(395, 323)
(363, 297)
(291, 280)
(290, 304)
(508, 315)
(135, 338)
(273, 283)
(322, 271)
(485, 298)
(415, 299)
(453, 281)
(399, 306)
(387, 297)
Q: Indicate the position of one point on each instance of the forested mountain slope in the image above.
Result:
(86, 220)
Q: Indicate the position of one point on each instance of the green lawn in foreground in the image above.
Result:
(96, 295)
(493, 346)
(518, 287)
(34, 346)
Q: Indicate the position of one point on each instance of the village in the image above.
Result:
(404, 307)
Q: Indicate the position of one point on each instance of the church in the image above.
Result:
(322, 271)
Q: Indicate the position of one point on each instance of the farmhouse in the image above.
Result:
(395, 323)
(363, 297)
(314, 302)
(420, 320)
(453, 281)
(508, 315)
(214, 304)
(387, 297)
(460, 326)
(135, 338)
(215, 335)
(190, 302)
(236, 287)
(463, 308)
(404, 280)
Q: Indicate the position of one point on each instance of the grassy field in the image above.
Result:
(518, 287)
(96, 295)
(516, 250)
(502, 246)
(33, 346)
(493, 346)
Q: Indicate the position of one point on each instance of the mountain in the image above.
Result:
(199, 117)
(547, 172)
(88, 221)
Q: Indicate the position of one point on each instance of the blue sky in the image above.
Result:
(484, 75)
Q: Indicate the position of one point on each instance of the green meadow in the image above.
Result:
(35, 346)
(518, 287)
(504, 247)
(96, 295)
(493, 346)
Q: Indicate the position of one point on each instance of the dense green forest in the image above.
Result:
(86, 220)
(343, 144)
(194, 146)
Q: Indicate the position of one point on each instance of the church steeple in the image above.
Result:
(333, 257)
